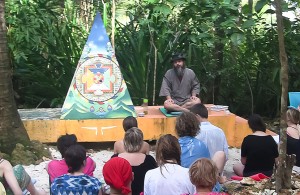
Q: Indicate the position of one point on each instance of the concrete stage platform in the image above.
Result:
(44, 125)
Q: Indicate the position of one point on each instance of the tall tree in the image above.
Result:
(285, 164)
(11, 127)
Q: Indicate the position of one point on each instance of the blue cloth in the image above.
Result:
(191, 150)
(79, 184)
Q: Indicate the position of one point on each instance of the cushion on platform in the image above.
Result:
(169, 114)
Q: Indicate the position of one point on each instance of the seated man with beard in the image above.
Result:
(180, 86)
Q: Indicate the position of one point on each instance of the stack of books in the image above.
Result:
(218, 108)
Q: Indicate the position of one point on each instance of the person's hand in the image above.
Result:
(193, 98)
(170, 101)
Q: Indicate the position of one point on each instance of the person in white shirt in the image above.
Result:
(213, 137)
(169, 177)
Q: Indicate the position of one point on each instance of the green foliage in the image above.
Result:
(232, 48)
(135, 49)
(46, 42)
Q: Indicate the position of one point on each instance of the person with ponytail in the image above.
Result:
(169, 177)
(76, 182)
(140, 162)
(117, 173)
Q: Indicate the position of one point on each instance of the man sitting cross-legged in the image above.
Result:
(213, 137)
(129, 122)
(180, 86)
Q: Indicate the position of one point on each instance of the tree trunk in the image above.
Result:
(283, 172)
(12, 130)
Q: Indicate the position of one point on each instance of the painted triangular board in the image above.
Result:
(98, 89)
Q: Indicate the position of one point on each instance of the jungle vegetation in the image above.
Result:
(232, 46)
(245, 55)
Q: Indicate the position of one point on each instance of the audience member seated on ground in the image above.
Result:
(140, 162)
(213, 137)
(16, 179)
(293, 131)
(258, 151)
(56, 168)
(204, 175)
(128, 123)
(117, 173)
(180, 86)
(169, 177)
(187, 127)
(75, 182)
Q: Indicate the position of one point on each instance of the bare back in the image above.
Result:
(119, 147)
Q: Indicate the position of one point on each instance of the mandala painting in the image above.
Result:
(98, 89)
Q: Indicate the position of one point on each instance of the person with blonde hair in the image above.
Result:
(140, 162)
(204, 175)
(128, 123)
(169, 177)
(293, 133)
(117, 173)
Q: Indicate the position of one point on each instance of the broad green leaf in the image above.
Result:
(203, 35)
(215, 16)
(152, 1)
(270, 11)
(285, 7)
(246, 9)
(193, 38)
(260, 4)
(237, 38)
(248, 24)
(227, 1)
(275, 73)
(164, 9)
(176, 2)
(209, 43)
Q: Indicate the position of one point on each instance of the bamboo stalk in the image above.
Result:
(155, 65)
(154, 74)
(113, 18)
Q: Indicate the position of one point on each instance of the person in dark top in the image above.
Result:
(140, 162)
(293, 131)
(258, 151)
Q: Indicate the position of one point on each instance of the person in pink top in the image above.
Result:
(56, 168)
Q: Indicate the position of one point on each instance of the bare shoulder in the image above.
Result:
(119, 147)
(5, 165)
(145, 148)
(292, 132)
